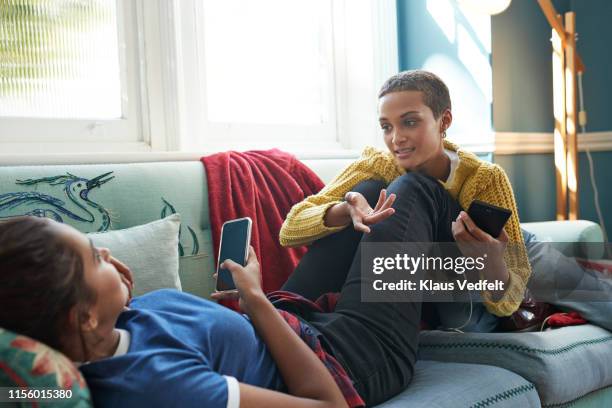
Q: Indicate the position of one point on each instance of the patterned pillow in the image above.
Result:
(28, 364)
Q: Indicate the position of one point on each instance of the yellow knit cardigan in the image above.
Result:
(474, 179)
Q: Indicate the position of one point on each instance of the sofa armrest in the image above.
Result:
(574, 238)
(565, 231)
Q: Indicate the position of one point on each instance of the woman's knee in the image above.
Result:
(370, 189)
(412, 181)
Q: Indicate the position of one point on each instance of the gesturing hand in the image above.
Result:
(363, 215)
(246, 278)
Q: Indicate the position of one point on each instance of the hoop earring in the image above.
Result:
(444, 134)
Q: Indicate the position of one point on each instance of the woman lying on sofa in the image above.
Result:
(414, 192)
(170, 348)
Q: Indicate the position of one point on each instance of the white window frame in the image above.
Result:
(364, 55)
(252, 136)
(34, 135)
(163, 75)
(370, 57)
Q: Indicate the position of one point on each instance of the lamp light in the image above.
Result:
(490, 7)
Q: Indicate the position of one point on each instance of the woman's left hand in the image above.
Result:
(474, 242)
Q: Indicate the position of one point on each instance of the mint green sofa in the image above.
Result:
(126, 195)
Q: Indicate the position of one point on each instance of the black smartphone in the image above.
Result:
(234, 245)
(488, 217)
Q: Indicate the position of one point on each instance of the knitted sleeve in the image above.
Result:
(305, 221)
(499, 192)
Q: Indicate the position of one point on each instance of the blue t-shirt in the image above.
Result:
(182, 351)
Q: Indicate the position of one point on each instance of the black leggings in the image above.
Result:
(376, 342)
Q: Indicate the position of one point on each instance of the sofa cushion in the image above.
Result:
(564, 364)
(25, 362)
(149, 250)
(452, 385)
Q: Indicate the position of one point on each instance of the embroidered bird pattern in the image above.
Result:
(78, 207)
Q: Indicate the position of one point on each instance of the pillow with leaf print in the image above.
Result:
(28, 364)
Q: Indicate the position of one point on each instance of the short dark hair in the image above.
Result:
(435, 92)
(42, 279)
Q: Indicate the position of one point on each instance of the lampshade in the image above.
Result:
(489, 7)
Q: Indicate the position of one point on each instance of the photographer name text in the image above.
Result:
(433, 286)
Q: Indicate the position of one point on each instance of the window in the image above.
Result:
(268, 70)
(110, 75)
(57, 55)
(67, 79)
(296, 74)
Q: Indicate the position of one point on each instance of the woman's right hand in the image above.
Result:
(306, 378)
(362, 215)
(247, 280)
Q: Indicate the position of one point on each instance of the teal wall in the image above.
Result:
(522, 72)
(451, 43)
(418, 36)
(522, 90)
(594, 26)
(533, 180)
(522, 94)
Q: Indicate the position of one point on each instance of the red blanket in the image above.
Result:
(262, 185)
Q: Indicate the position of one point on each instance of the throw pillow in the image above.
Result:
(149, 250)
(31, 366)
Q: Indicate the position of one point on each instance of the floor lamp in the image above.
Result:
(566, 64)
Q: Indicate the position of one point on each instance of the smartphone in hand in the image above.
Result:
(234, 245)
(488, 217)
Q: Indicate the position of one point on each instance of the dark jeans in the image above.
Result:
(375, 342)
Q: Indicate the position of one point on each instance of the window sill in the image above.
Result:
(24, 159)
